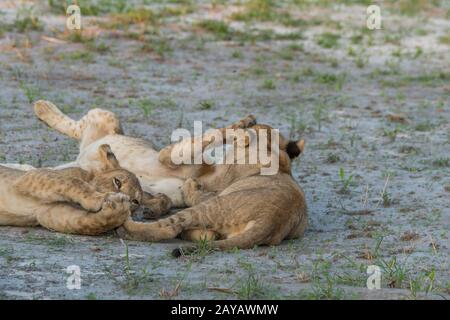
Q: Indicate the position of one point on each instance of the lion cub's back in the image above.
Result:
(281, 182)
(278, 197)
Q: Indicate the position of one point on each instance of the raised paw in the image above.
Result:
(247, 122)
(44, 109)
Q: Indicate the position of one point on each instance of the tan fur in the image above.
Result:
(99, 126)
(231, 203)
(70, 200)
(247, 208)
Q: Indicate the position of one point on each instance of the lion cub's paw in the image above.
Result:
(159, 205)
(93, 203)
(116, 202)
(190, 186)
(44, 108)
(247, 122)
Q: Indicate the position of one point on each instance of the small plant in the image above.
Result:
(441, 162)
(31, 93)
(333, 158)
(445, 39)
(89, 7)
(147, 106)
(360, 62)
(424, 282)
(206, 105)
(250, 285)
(268, 84)
(237, 54)
(394, 273)
(386, 199)
(418, 53)
(159, 46)
(220, 29)
(324, 283)
(98, 47)
(77, 55)
(261, 10)
(331, 79)
(201, 249)
(357, 38)
(132, 280)
(91, 296)
(391, 134)
(328, 40)
(297, 125)
(27, 20)
(424, 126)
(318, 114)
(345, 181)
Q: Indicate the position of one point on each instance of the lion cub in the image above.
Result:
(70, 200)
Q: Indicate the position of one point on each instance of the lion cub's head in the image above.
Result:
(113, 178)
(264, 139)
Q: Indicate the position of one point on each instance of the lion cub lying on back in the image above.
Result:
(70, 200)
(247, 209)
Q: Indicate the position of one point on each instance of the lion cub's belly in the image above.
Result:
(171, 187)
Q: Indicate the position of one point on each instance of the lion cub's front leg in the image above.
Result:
(67, 219)
(52, 186)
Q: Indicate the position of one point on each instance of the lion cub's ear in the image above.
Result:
(107, 158)
(294, 148)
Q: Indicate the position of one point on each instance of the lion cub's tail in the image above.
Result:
(54, 118)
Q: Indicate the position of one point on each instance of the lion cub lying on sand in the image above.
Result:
(70, 200)
(231, 203)
(99, 127)
(251, 209)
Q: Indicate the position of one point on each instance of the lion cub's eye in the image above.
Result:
(134, 201)
(117, 183)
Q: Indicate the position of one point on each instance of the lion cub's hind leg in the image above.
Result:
(54, 118)
(96, 124)
(51, 186)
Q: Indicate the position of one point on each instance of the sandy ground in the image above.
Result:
(373, 107)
